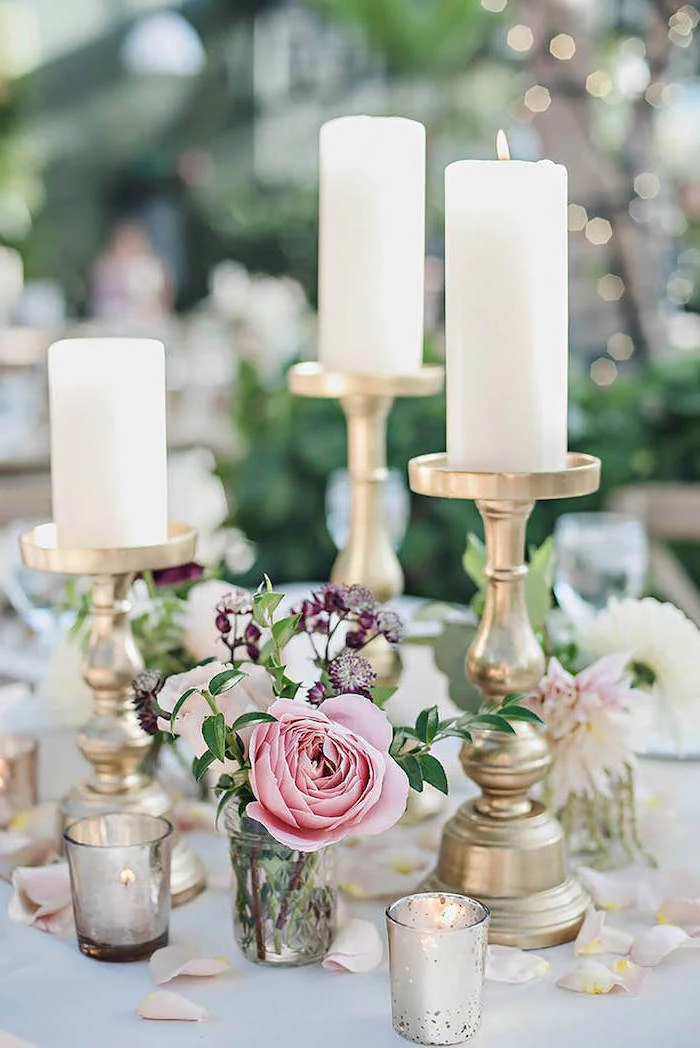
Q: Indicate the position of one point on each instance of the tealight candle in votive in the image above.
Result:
(18, 771)
(120, 879)
(437, 953)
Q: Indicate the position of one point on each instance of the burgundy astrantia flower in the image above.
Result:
(146, 688)
(177, 576)
(351, 674)
(390, 625)
(317, 693)
(360, 599)
(235, 626)
(238, 602)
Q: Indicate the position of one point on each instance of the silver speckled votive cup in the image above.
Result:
(120, 879)
(437, 954)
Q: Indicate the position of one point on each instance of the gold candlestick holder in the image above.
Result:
(503, 847)
(112, 740)
(368, 557)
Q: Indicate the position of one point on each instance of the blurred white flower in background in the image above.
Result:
(63, 688)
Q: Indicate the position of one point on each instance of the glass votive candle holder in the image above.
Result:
(120, 880)
(18, 775)
(437, 955)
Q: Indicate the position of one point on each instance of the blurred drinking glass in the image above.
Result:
(396, 506)
(598, 556)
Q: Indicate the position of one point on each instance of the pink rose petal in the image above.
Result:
(42, 897)
(594, 937)
(356, 948)
(508, 964)
(171, 961)
(683, 912)
(653, 944)
(166, 1005)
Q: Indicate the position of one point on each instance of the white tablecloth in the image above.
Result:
(55, 998)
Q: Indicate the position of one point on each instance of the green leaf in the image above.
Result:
(284, 630)
(433, 772)
(381, 693)
(427, 724)
(491, 722)
(206, 662)
(410, 765)
(224, 800)
(224, 681)
(538, 583)
(521, 713)
(474, 561)
(214, 734)
(450, 653)
(179, 704)
(265, 605)
(254, 717)
(200, 765)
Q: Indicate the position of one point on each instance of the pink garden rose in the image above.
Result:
(319, 775)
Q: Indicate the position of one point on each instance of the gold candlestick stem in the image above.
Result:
(112, 740)
(503, 847)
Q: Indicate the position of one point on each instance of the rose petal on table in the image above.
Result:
(653, 944)
(685, 913)
(594, 937)
(595, 978)
(171, 961)
(610, 891)
(508, 964)
(356, 948)
(165, 1005)
(657, 885)
(8, 1040)
(42, 897)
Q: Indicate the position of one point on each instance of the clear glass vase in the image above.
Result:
(284, 901)
(601, 828)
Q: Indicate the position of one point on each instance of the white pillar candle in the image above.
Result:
(108, 447)
(371, 244)
(506, 306)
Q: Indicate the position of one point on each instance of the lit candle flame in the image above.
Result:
(502, 147)
(127, 876)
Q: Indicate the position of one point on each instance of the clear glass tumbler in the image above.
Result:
(18, 775)
(437, 956)
(120, 879)
(598, 556)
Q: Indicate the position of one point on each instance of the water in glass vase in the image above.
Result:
(284, 901)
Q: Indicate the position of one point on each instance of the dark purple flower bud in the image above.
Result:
(317, 693)
(333, 598)
(351, 673)
(148, 719)
(146, 687)
(253, 652)
(356, 639)
(367, 620)
(252, 633)
(223, 623)
(390, 625)
(177, 576)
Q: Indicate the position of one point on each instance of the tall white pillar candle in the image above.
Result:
(506, 307)
(108, 446)
(371, 244)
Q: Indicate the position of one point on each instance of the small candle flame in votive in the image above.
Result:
(127, 876)
(502, 147)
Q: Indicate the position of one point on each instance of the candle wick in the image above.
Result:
(502, 147)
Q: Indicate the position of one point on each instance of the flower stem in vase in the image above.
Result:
(255, 893)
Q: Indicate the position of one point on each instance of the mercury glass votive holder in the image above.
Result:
(18, 775)
(437, 955)
(120, 880)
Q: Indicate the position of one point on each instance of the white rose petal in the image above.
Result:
(508, 964)
(356, 948)
(170, 1006)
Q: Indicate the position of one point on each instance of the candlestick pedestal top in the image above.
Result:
(504, 848)
(112, 741)
(311, 379)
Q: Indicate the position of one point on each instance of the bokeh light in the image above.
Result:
(603, 371)
(611, 288)
(599, 83)
(577, 218)
(496, 6)
(620, 346)
(680, 289)
(647, 185)
(599, 231)
(562, 46)
(520, 38)
(537, 99)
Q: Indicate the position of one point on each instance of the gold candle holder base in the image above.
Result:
(112, 740)
(368, 557)
(503, 847)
